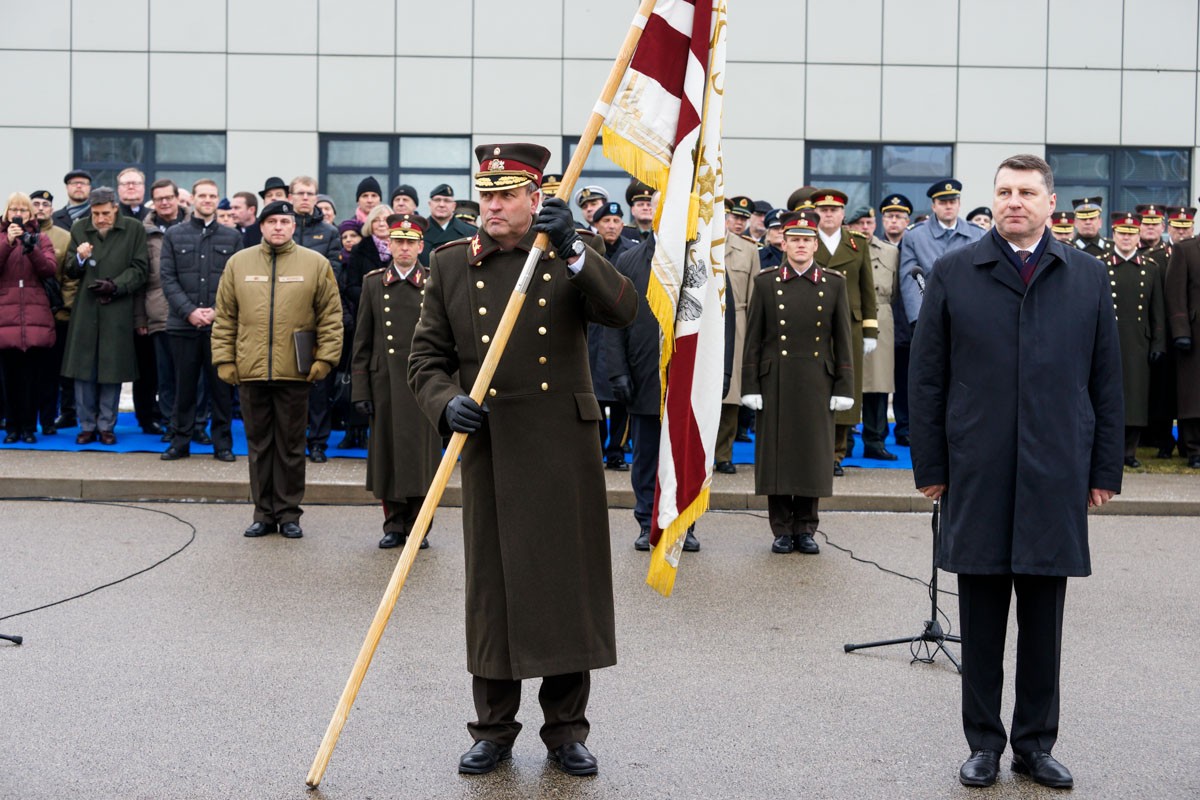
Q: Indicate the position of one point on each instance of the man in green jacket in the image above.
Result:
(107, 254)
(278, 328)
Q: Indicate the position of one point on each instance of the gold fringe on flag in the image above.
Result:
(634, 159)
(661, 576)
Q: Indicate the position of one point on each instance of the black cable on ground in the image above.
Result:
(163, 560)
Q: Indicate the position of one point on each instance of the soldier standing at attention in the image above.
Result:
(404, 449)
(1181, 223)
(1182, 297)
(1062, 226)
(640, 198)
(539, 599)
(894, 214)
(796, 372)
(1087, 226)
(879, 368)
(848, 253)
(741, 265)
(1160, 416)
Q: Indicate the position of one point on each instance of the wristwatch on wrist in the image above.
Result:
(577, 247)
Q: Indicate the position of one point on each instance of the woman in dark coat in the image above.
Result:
(370, 254)
(797, 370)
(26, 321)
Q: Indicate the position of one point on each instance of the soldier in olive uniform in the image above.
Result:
(443, 225)
(741, 265)
(1062, 226)
(640, 198)
(467, 211)
(539, 599)
(848, 253)
(741, 209)
(1141, 323)
(797, 370)
(404, 449)
(1087, 227)
(1182, 295)
(879, 378)
(1150, 233)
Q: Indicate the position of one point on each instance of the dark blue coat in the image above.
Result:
(597, 359)
(1015, 402)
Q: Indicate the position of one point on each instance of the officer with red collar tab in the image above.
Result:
(797, 371)
(539, 599)
(404, 449)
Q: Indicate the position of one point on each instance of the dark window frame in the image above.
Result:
(1115, 184)
(149, 165)
(394, 167)
(877, 176)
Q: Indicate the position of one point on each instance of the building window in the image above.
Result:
(1125, 177)
(423, 162)
(868, 172)
(183, 157)
(597, 171)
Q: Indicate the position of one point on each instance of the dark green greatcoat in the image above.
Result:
(437, 236)
(100, 338)
(1141, 327)
(404, 449)
(535, 513)
(853, 260)
(797, 356)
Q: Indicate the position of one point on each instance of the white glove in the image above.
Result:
(841, 403)
(752, 401)
(869, 346)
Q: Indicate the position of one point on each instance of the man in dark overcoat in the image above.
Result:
(614, 419)
(404, 449)
(1182, 295)
(797, 371)
(107, 254)
(1018, 425)
(539, 597)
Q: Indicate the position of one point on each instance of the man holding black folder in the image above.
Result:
(278, 328)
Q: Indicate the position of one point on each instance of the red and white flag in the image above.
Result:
(664, 127)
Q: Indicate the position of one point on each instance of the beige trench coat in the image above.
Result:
(879, 368)
(741, 262)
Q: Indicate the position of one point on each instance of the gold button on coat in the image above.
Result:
(482, 311)
(545, 276)
(485, 338)
(391, 350)
(478, 284)
(541, 301)
(492, 392)
(542, 360)
(545, 386)
(541, 331)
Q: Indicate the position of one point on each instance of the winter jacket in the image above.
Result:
(25, 318)
(60, 240)
(313, 232)
(193, 257)
(149, 304)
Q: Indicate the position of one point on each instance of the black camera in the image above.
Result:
(28, 240)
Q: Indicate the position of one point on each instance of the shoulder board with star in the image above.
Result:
(375, 272)
(859, 234)
(751, 240)
(912, 225)
(831, 271)
(765, 270)
(454, 242)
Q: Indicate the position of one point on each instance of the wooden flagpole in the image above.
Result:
(478, 391)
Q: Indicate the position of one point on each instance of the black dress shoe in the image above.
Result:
(1194, 462)
(392, 539)
(65, 421)
(483, 757)
(574, 759)
(12, 437)
(28, 437)
(726, 467)
(642, 542)
(167, 436)
(837, 469)
(690, 543)
(902, 441)
(617, 464)
(317, 455)
(1043, 768)
(804, 543)
(199, 436)
(742, 436)
(980, 769)
(291, 530)
(879, 454)
(174, 453)
(261, 529)
(153, 428)
(1132, 462)
(224, 455)
(783, 544)
(1164, 452)
(348, 442)
(49, 430)
(425, 542)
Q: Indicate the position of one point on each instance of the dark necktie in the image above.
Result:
(1026, 265)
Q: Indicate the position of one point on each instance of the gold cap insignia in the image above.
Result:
(496, 152)
(949, 187)
(495, 164)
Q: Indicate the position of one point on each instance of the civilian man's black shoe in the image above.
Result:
(642, 542)
(174, 453)
(902, 441)
(837, 469)
(879, 454)
(618, 464)
(291, 530)
(726, 467)
(804, 543)
(483, 757)
(743, 436)
(224, 455)
(65, 421)
(783, 544)
(392, 539)
(1194, 462)
(1132, 462)
(1164, 452)
(980, 769)
(261, 529)
(200, 437)
(690, 543)
(153, 428)
(574, 759)
(167, 436)
(28, 437)
(49, 430)
(12, 437)
(317, 455)
(1043, 768)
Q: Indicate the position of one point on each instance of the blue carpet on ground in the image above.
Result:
(743, 453)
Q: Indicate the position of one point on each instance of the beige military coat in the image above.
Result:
(741, 262)
(879, 368)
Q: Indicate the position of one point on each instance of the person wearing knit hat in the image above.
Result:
(404, 199)
(368, 195)
(327, 208)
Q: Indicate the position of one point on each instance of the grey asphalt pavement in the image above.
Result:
(215, 674)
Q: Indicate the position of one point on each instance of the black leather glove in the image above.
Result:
(464, 415)
(1184, 344)
(102, 287)
(365, 407)
(555, 221)
(1156, 356)
(622, 386)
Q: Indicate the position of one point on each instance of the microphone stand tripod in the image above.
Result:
(13, 639)
(933, 633)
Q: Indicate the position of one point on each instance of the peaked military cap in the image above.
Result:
(638, 191)
(829, 197)
(1180, 216)
(771, 219)
(1150, 212)
(800, 198)
(275, 207)
(550, 184)
(442, 190)
(467, 210)
(946, 188)
(896, 202)
(741, 206)
(1062, 221)
(41, 194)
(407, 226)
(1124, 222)
(1087, 207)
(800, 223)
(509, 165)
(590, 193)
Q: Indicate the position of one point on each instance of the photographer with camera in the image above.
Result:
(26, 321)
